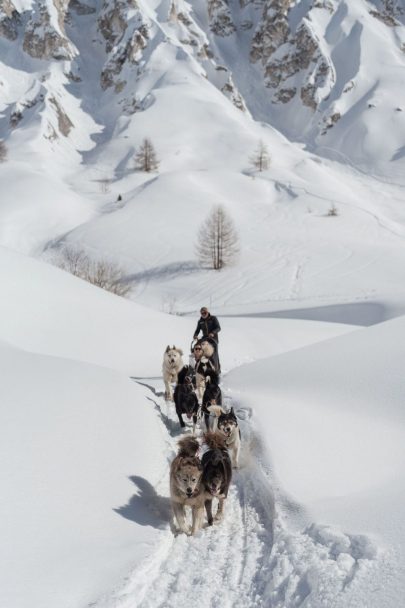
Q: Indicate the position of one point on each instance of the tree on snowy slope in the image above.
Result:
(3, 151)
(261, 157)
(218, 241)
(145, 158)
(101, 273)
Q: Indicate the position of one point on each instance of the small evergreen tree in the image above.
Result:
(145, 158)
(261, 157)
(218, 241)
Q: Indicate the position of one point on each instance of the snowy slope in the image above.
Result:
(332, 417)
(53, 313)
(72, 436)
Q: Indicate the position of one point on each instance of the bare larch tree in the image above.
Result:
(218, 241)
(145, 158)
(261, 157)
(3, 151)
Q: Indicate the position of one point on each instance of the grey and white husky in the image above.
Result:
(227, 426)
(186, 489)
(172, 364)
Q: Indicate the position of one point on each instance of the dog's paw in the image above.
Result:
(218, 517)
(186, 530)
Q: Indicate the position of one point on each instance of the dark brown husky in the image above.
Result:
(217, 474)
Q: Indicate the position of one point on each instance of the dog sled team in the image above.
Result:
(195, 482)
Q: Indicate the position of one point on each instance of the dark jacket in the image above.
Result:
(209, 325)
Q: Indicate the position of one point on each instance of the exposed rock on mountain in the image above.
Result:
(220, 18)
(388, 11)
(45, 36)
(284, 54)
(126, 34)
(64, 122)
(9, 20)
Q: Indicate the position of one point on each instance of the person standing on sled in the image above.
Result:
(209, 326)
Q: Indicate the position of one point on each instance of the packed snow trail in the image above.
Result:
(251, 558)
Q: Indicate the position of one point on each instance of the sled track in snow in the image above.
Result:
(252, 558)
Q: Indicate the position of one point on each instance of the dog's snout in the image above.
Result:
(189, 491)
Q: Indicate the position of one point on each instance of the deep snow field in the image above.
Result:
(312, 347)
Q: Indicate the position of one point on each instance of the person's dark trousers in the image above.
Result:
(215, 360)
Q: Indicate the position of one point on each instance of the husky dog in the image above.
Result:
(185, 485)
(215, 411)
(227, 424)
(185, 398)
(208, 348)
(210, 351)
(172, 364)
(212, 396)
(217, 474)
(203, 367)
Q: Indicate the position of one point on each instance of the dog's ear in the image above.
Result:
(232, 413)
(167, 348)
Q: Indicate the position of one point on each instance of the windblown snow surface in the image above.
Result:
(312, 345)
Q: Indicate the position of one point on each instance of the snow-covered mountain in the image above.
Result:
(328, 73)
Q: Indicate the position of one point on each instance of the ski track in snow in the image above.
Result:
(252, 558)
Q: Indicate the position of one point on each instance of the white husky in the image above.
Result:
(172, 364)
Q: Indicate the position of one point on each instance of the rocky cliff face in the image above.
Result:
(45, 36)
(389, 12)
(293, 61)
(125, 31)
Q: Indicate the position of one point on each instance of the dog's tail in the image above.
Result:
(188, 446)
(215, 410)
(215, 440)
